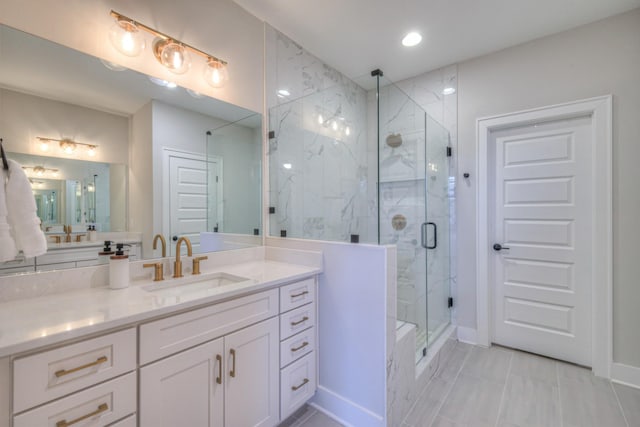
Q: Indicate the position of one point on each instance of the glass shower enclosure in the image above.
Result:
(363, 162)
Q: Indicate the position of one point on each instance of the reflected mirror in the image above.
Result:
(138, 124)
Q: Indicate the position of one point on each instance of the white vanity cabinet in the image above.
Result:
(230, 381)
(298, 361)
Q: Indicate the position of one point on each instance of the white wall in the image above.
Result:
(219, 27)
(24, 117)
(596, 59)
(141, 177)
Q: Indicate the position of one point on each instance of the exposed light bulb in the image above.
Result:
(126, 38)
(44, 145)
(320, 119)
(91, 151)
(55, 174)
(215, 73)
(172, 55)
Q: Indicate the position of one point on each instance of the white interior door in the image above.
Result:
(188, 199)
(542, 218)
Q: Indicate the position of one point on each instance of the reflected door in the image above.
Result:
(188, 199)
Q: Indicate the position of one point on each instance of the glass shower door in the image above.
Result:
(403, 202)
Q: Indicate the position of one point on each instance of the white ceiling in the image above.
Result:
(357, 36)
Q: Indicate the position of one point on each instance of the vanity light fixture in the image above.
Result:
(126, 37)
(68, 146)
(40, 171)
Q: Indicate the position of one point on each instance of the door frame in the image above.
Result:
(167, 153)
(600, 110)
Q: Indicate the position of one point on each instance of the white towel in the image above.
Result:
(23, 218)
(8, 249)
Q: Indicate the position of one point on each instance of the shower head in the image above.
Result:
(394, 140)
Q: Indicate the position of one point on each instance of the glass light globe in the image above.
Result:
(126, 38)
(215, 73)
(172, 55)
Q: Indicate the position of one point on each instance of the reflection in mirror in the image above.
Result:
(234, 160)
(132, 119)
(76, 192)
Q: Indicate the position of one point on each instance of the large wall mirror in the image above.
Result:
(194, 160)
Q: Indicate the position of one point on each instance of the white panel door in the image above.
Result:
(188, 199)
(252, 389)
(185, 389)
(542, 219)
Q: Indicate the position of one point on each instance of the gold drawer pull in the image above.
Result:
(232, 373)
(304, 344)
(102, 408)
(219, 377)
(304, 319)
(294, 388)
(63, 372)
(300, 294)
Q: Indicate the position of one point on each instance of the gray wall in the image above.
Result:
(597, 59)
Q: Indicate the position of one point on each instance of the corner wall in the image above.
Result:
(352, 328)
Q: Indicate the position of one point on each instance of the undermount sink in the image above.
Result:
(211, 281)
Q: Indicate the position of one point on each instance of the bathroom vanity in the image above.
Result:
(234, 346)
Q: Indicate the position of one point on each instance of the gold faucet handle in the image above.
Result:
(196, 264)
(56, 238)
(158, 270)
(79, 237)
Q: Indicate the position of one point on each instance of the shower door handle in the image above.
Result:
(435, 235)
(423, 235)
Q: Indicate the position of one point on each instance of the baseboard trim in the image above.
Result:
(467, 335)
(625, 374)
(343, 410)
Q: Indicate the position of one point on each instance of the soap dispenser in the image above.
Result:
(119, 269)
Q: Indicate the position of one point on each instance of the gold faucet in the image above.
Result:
(177, 266)
(164, 244)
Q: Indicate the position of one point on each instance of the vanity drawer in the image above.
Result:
(108, 402)
(46, 376)
(297, 320)
(297, 294)
(297, 346)
(173, 334)
(130, 421)
(297, 384)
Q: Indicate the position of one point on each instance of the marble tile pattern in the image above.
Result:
(318, 160)
(503, 387)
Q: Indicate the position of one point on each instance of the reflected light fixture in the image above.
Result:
(68, 146)
(449, 90)
(40, 171)
(126, 37)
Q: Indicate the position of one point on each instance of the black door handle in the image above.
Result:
(435, 235)
(174, 238)
(498, 247)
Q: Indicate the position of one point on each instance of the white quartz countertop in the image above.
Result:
(27, 324)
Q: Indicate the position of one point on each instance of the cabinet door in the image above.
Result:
(185, 389)
(252, 376)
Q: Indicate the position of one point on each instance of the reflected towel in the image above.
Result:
(23, 218)
(8, 250)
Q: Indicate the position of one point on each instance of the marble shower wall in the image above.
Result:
(318, 160)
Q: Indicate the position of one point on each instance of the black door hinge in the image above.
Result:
(449, 151)
(450, 302)
(271, 134)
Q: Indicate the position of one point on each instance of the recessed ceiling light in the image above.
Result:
(449, 90)
(411, 39)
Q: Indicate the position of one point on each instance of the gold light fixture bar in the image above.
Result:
(156, 33)
(40, 170)
(67, 145)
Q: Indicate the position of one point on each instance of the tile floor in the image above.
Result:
(501, 387)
